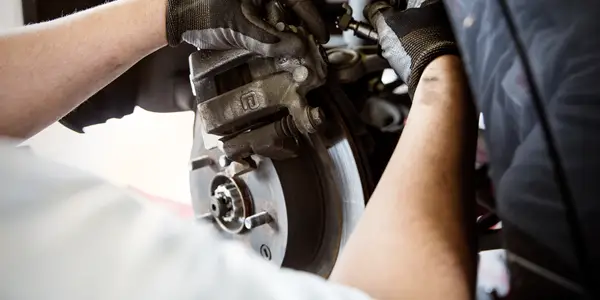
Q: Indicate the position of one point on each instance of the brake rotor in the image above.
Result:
(296, 213)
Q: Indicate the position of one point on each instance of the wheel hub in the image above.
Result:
(296, 213)
(228, 206)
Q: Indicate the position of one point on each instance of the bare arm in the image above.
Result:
(411, 242)
(48, 69)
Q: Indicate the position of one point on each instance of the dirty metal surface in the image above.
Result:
(349, 65)
(269, 86)
(298, 192)
(314, 200)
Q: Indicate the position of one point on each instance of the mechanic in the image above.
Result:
(66, 234)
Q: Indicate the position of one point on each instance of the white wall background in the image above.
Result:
(145, 150)
(11, 13)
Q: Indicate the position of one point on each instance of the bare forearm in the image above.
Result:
(411, 241)
(48, 69)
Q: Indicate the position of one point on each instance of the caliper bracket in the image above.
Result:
(243, 117)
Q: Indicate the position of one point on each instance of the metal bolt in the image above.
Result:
(206, 217)
(300, 74)
(201, 162)
(282, 60)
(280, 26)
(360, 29)
(257, 220)
(287, 127)
(224, 161)
(343, 22)
(265, 252)
(316, 116)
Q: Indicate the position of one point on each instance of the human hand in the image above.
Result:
(412, 38)
(230, 24)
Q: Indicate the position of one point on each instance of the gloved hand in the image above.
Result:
(229, 24)
(412, 38)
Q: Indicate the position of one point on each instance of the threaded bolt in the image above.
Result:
(286, 127)
(206, 217)
(316, 116)
(257, 220)
(201, 162)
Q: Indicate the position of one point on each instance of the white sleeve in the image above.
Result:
(67, 235)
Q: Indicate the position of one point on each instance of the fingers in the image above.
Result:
(374, 9)
(306, 11)
(286, 44)
(290, 45)
(416, 3)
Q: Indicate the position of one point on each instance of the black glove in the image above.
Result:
(228, 24)
(412, 38)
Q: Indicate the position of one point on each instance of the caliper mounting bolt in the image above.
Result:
(300, 74)
(287, 128)
(316, 116)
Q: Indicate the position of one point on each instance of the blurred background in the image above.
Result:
(146, 151)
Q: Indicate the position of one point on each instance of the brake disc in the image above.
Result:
(296, 213)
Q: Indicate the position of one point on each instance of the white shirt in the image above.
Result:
(65, 234)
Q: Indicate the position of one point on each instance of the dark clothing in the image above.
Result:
(534, 69)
